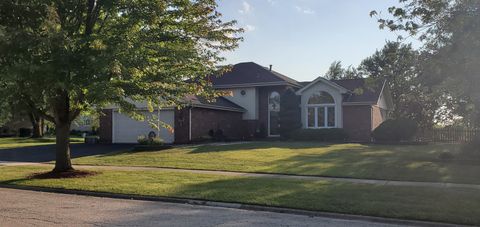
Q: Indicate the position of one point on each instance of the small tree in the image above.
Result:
(289, 113)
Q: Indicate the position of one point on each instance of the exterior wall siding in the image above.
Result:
(105, 130)
(357, 122)
(378, 116)
(249, 101)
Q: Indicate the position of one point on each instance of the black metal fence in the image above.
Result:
(448, 135)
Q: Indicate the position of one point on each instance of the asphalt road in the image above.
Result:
(28, 208)
(46, 153)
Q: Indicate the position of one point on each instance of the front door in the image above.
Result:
(274, 114)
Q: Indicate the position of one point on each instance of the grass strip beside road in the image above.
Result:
(460, 206)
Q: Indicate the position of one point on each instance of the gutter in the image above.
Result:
(218, 107)
(265, 84)
(358, 103)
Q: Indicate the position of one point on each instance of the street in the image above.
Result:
(29, 208)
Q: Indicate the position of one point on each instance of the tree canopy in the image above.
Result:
(337, 72)
(398, 64)
(75, 56)
(450, 32)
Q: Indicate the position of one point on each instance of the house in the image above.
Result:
(253, 106)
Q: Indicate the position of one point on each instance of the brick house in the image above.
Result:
(252, 108)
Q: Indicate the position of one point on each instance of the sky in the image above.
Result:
(301, 38)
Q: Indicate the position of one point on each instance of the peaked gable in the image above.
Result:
(355, 90)
(324, 81)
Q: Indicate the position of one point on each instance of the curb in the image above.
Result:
(241, 206)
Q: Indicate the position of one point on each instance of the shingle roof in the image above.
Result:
(361, 91)
(250, 73)
(217, 103)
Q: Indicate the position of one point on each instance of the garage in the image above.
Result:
(127, 130)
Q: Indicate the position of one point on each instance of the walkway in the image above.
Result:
(266, 175)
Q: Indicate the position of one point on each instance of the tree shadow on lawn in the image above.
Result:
(257, 145)
(46, 153)
(404, 163)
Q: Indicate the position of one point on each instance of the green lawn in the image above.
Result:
(17, 142)
(446, 205)
(411, 163)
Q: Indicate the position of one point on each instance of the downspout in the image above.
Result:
(190, 124)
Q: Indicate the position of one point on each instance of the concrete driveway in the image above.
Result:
(28, 208)
(46, 153)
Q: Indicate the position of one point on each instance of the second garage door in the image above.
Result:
(127, 130)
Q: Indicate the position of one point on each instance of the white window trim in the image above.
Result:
(325, 115)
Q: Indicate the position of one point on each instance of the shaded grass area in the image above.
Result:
(18, 142)
(406, 163)
(446, 205)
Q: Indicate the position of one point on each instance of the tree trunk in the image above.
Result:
(37, 125)
(63, 162)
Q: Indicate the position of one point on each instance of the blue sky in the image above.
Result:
(301, 38)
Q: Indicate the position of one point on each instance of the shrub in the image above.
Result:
(155, 141)
(323, 135)
(395, 130)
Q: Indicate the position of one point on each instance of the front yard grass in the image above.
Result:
(405, 163)
(18, 142)
(460, 206)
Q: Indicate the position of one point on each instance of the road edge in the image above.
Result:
(242, 206)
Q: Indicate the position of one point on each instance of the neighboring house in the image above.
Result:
(83, 123)
(252, 108)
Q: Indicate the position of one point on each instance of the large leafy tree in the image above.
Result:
(81, 55)
(398, 64)
(450, 31)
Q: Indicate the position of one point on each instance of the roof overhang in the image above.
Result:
(325, 81)
(214, 107)
(359, 104)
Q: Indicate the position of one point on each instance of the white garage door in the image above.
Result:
(127, 130)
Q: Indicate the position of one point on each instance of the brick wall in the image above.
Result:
(203, 120)
(105, 130)
(182, 119)
(357, 121)
(231, 123)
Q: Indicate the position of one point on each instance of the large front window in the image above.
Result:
(321, 111)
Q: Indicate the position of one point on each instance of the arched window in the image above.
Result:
(321, 111)
(273, 114)
(321, 98)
